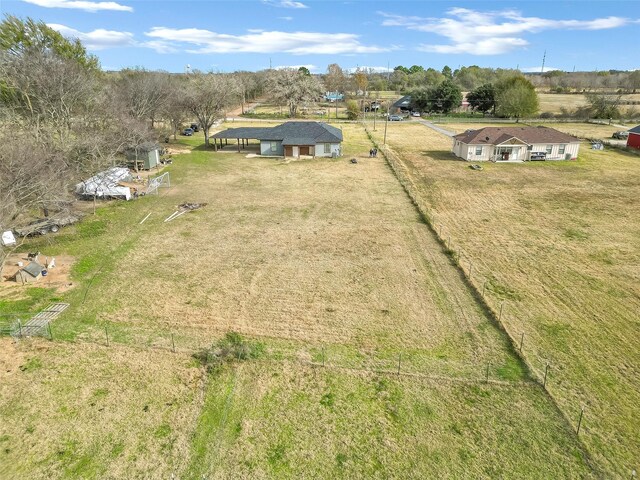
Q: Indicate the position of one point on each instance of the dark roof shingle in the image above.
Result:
(498, 135)
(289, 133)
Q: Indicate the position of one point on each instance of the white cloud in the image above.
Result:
(295, 43)
(288, 19)
(285, 3)
(490, 33)
(97, 39)
(81, 5)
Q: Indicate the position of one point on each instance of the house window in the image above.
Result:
(549, 148)
(327, 148)
(561, 149)
(478, 150)
(274, 147)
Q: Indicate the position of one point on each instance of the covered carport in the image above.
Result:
(241, 135)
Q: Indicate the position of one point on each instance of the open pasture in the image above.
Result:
(559, 243)
(323, 261)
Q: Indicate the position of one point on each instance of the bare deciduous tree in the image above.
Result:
(335, 80)
(291, 88)
(208, 96)
(46, 92)
(144, 93)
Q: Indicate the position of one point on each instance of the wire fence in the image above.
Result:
(543, 371)
(418, 363)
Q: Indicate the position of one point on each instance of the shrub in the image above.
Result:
(233, 347)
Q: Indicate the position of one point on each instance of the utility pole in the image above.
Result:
(544, 57)
(386, 120)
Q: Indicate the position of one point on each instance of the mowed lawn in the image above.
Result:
(319, 252)
(559, 243)
(321, 261)
(554, 102)
(86, 411)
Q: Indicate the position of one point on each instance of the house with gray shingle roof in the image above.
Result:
(290, 139)
(515, 144)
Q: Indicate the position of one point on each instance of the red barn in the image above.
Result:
(634, 137)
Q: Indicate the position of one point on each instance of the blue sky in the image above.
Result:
(254, 34)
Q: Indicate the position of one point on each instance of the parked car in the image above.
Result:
(188, 132)
(415, 114)
(538, 156)
(622, 135)
(194, 127)
(395, 118)
(43, 226)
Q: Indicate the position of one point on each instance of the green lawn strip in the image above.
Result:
(289, 421)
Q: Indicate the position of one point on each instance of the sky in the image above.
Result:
(227, 36)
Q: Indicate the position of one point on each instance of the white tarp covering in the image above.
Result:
(8, 238)
(105, 184)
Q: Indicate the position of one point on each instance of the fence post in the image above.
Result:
(399, 360)
(501, 307)
(521, 341)
(484, 286)
(173, 344)
(20, 328)
(580, 421)
(106, 334)
(546, 370)
(49, 328)
(323, 355)
(470, 270)
(487, 375)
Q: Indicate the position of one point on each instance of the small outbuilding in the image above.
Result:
(633, 140)
(30, 273)
(147, 155)
(402, 106)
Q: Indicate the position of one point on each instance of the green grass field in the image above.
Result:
(323, 261)
(559, 243)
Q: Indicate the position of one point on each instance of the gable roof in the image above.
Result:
(635, 129)
(403, 102)
(530, 135)
(289, 133)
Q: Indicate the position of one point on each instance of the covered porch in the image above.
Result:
(511, 150)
